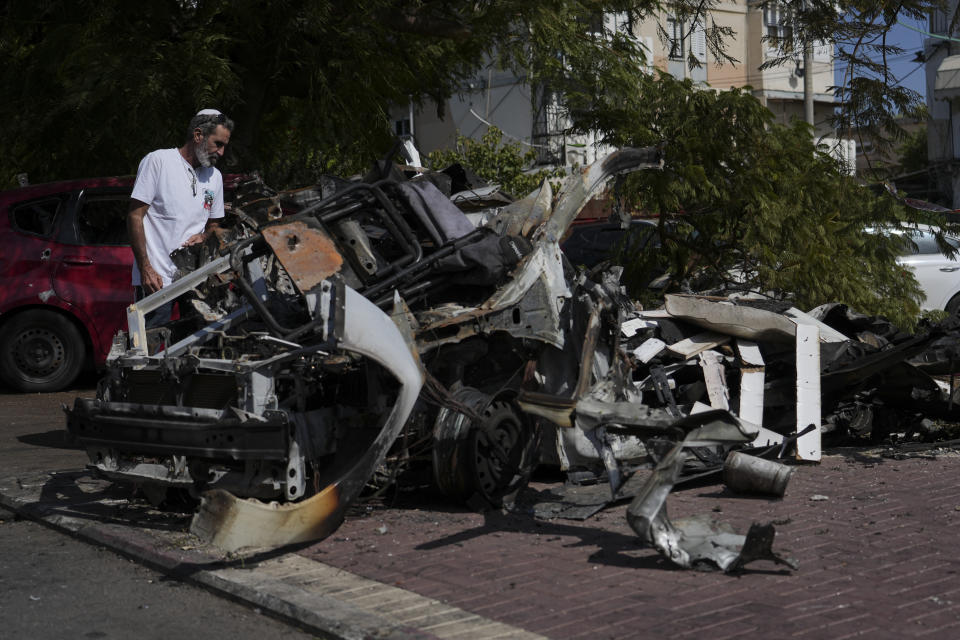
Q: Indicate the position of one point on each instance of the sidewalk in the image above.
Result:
(877, 557)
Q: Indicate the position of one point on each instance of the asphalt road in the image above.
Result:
(54, 586)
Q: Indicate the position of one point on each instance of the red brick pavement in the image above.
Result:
(878, 559)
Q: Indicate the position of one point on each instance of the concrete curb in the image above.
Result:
(312, 595)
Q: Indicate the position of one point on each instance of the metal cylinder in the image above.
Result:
(750, 474)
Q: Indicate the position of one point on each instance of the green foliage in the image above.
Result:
(740, 194)
(913, 151)
(493, 160)
(89, 86)
(870, 95)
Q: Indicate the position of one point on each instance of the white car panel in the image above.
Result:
(938, 274)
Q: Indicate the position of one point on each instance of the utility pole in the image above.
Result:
(808, 81)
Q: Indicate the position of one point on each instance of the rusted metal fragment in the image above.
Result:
(578, 188)
(307, 253)
(698, 542)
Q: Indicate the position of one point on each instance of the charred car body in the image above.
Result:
(377, 317)
(378, 325)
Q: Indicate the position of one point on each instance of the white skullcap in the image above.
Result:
(208, 112)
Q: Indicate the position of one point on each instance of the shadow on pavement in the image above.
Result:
(76, 494)
(55, 439)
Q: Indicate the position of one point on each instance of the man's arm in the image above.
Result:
(150, 280)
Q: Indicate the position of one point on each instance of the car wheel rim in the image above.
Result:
(498, 453)
(38, 353)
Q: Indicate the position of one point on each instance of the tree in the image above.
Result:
(742, 195)
(91, 85)
(913, 152)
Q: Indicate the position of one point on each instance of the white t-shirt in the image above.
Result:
(181, 199)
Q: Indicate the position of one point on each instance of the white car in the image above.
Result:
(938, 274)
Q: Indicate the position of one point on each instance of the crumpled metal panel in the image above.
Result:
(699, 542)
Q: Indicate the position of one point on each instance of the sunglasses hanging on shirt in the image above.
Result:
(193, 180)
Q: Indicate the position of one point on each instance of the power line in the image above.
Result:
(927, 33)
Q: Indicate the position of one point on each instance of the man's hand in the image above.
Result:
(150, 280)
(196, 238)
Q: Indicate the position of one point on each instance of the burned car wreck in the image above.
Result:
(377, 324)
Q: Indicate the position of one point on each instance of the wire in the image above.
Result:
(927, 33)
(490, 124)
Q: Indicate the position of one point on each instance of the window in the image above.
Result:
(926, 244)
(698, 42)
(36, 217)
(618, 22)
(102, 220)
(402, 127)
(778, 21)
(675, 38)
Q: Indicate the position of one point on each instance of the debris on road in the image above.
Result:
(321, 353)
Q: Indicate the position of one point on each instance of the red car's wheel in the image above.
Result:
(40, 351)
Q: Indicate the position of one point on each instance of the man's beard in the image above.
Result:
(205, 158)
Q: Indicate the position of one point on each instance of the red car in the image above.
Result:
(65, 271)
(65, 266)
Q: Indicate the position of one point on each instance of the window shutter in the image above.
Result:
(698, 42)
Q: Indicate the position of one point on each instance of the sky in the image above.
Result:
(910, 73)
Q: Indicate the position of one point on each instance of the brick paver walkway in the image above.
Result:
(878, 558)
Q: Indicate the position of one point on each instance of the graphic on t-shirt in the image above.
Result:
(207, 200)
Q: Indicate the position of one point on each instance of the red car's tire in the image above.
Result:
(40, 351)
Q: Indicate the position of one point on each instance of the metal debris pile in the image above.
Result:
(377, 324)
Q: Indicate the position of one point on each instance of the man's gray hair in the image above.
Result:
(207, 122)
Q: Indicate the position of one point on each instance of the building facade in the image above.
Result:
(500, 98)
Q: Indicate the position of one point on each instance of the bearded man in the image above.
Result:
(177, 201)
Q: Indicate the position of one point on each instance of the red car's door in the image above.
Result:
(27, 244)
(92, 268)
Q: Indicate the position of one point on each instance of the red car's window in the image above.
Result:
(102, 220)
(36, 217)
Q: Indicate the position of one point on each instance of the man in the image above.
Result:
(177, 201)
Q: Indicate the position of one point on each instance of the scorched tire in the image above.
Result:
(40, 351)
(482, 462)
